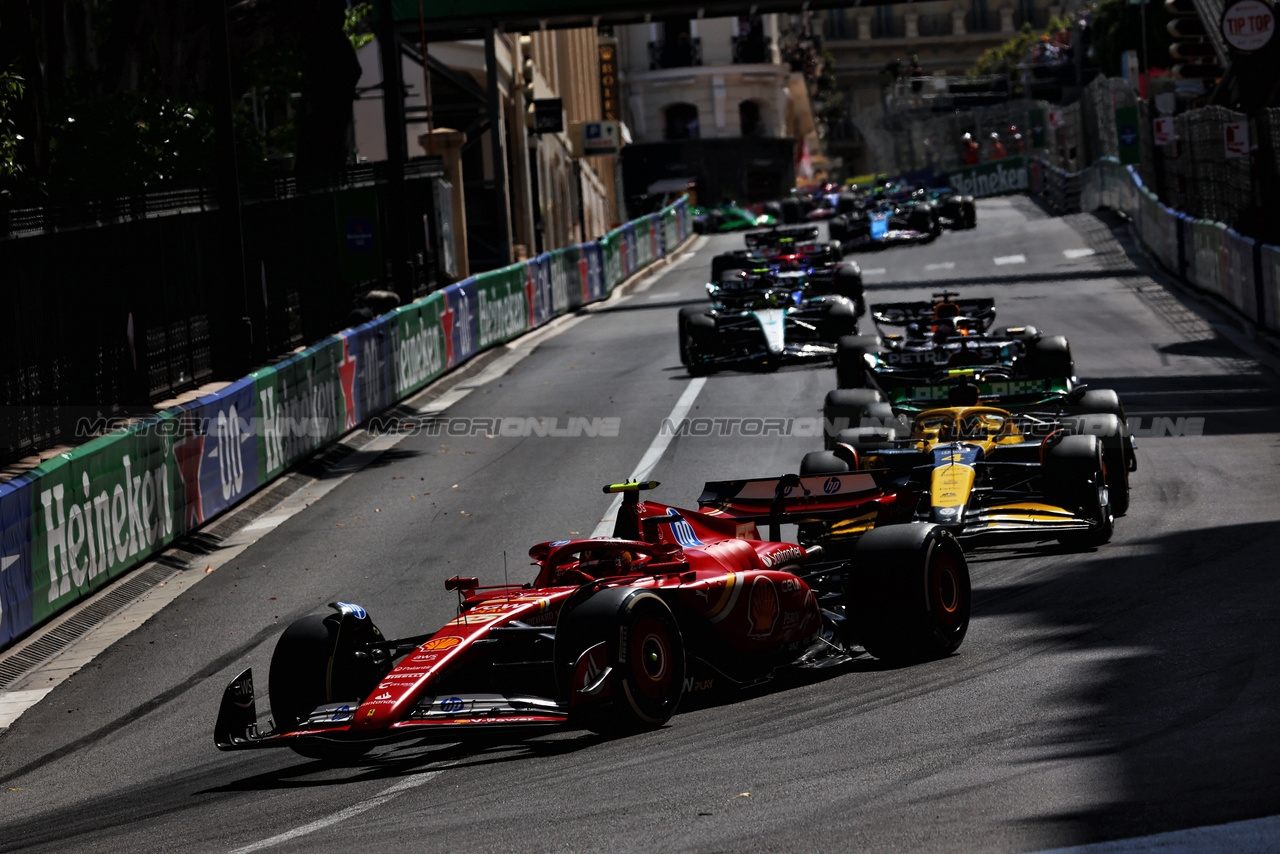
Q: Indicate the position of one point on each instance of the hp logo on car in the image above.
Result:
(453, 704)
(831, 485)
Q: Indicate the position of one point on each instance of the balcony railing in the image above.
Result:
(751, 50)
(683, 53)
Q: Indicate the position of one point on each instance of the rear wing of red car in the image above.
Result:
(792, 498)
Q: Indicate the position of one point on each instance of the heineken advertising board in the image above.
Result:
(75, 522)
(997, 178)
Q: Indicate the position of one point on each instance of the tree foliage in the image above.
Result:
(114, 97)
(1003, 59)
(1117, 27)
(10, 94)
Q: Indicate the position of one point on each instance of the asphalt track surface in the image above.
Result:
(1126, 691)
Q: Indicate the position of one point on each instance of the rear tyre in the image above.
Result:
(907, 593)
(822, 462)
(851, 361)
(699, 344)
(847, 282)
(682, 326)
(313, 664)
(722, 264)
(1050, 358)
(790, 211)
(645, 651)
(847, 404)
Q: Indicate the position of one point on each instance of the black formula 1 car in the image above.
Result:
(953, 210)
(765, 319)
(940, 336)
(613, 632)
(777, 249)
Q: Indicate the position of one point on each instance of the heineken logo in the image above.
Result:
(995, 179)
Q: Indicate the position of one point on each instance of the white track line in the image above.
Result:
(945, 265)
(1257, 836)
(875, 271)
(653, 455)
(1078, 253)
(31, 687)
(342, 815)
(1010, 259)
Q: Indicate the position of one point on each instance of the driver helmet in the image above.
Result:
(602, 564)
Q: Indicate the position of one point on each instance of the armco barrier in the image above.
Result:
(1208, 255)
(1270, 268)
(77, 521)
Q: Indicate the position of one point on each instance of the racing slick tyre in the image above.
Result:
(722, 264)
(1110, 431)
(791, 212)
(842, 319)
(1050, 358)
(1074, 478)
(847, 404)
(698, 345)
(846, 203)
(822, 462)
(643, 649)
(907, 593)
(851, 360)
(1106, 400)
(969, 213)
(1022, 333)
(847, 282)
(314, 663)
(682, 326)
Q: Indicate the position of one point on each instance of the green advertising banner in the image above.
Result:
(997, 178)
(1127, 135)
(301, 406)
(503, 300)
(99, 510)
(417, 344)
(611, 250)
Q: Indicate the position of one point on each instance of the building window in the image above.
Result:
(750, 120)
(750, 45)
(678, 48)
(681, 121)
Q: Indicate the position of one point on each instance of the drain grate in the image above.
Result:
(54, 641)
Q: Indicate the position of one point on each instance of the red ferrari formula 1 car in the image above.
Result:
(614, 631)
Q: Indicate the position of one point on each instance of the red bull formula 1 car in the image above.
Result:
(613, 632)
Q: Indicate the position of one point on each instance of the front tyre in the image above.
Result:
(314, 663)
(907, 593)
(645, 652)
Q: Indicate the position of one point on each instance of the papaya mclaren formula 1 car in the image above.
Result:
(613, 631)
(987, 473)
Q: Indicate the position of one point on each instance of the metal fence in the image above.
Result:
(1192, 174)
(111, 306)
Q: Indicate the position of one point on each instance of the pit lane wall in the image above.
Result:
(85, 517)
(1211, 257)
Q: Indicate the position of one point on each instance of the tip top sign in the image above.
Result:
(1248, 25)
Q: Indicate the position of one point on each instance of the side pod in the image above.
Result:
(237, 716)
